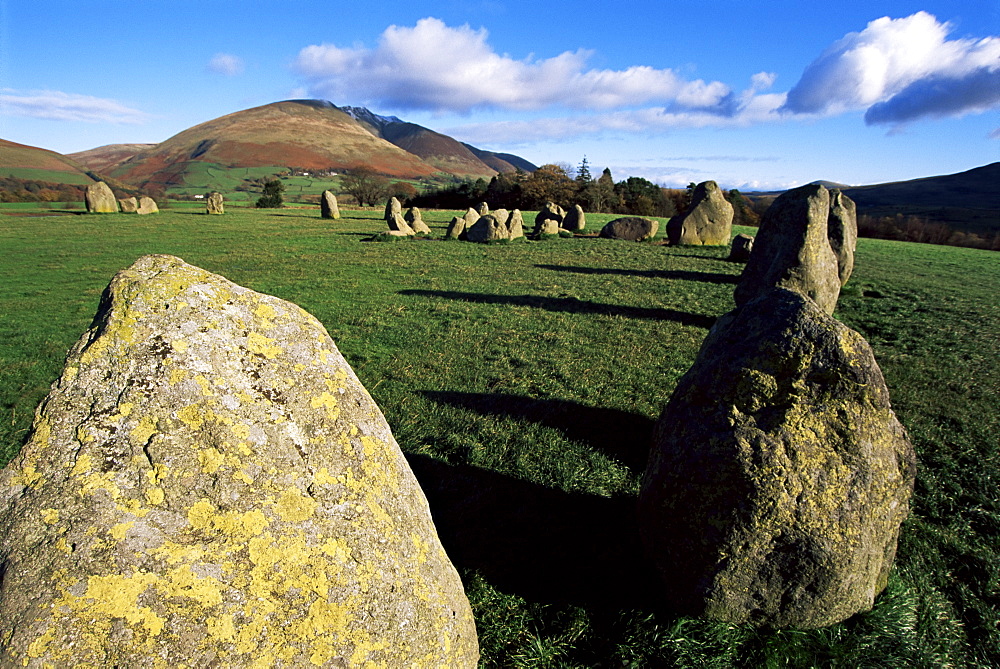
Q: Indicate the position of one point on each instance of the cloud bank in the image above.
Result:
(226, 64)
(59, 106)
(432, 66)
(901, 70)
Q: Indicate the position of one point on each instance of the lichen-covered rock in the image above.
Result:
(456, 228)
(99, 199)
(415, 220)
(487, 229)
(792, 250)
(214, 204)
(842, 229)
(515, 224)
(128, 205)
(779, 474)
(575, 220)
(398, 223)
(630, 228)
(328, 207)
(741, 248)
(147, 205)
(209, 484)
(392, 208)
(708, 220)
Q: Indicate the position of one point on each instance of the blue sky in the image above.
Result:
(753, 96)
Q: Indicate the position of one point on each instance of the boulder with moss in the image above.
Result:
(209, 484)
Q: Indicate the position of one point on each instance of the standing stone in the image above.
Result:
(487, 229)
(779, 474)
(209, 484)
(399, 224)
(328, 207)
(483, 209)
(708, 220)
(741, 248)
(471, 216)
(214, 203)
(575, 220)
(547, 226)
(128, 205)
(503, 216)
(842, 229)
(99, 199)
(515, 224)
(416, 222)
(147, 205)
(630, 228)
(550, 212)
(392, 207)
(792, 250)
(456, 228)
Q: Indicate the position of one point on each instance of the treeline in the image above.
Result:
(555, 183)
(15, 189)
(924, 231)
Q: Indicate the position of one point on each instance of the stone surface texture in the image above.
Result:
(708, 220)
(209, 484)
(128, 205)
(792, 250)
(398, 223)
(842, 229)
(99, 199)
(415, 220)
(487, 229)
(630, 228)
(328, 206)
(147, 205)
(392, 208)
(779, 474)
(741, 248)
(515, 224)
(214, 204)
(575, 220)
(456, 228)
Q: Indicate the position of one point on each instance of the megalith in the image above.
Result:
(792, 250)
(630, 228)
(842, 230)
(550, 212)
(487, 229)
(483, 209)
(147, 205)
(209, 484)
(708, 220)
(214, 203)
(328, 207)
(415, 220)
(741, 248)
(456, 228)
(99, 199)
(392, 208)
(398, 223)
(575, 220)
(515, 225)
(128, 205)
(471, 216)
(779, 475)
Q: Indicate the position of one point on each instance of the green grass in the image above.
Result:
(522, 381)
(52, 176)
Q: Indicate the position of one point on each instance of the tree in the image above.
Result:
(641, 197)
(605, 199)
(271, 198)
(365, 185)
(402, 191)
(549, 183)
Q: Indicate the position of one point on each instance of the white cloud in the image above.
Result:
(226, 64)
(901, 70)
(59, 106)
(437, 67)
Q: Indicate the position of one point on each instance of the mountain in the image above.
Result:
(34, 164)
(106, 158)
(502, 162)
(967, 200)
(445, 153)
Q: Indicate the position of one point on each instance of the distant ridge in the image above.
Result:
(36, 164)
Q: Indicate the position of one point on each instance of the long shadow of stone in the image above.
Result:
(542, 544)
(573, 305)
(681, 275)
(621, 435)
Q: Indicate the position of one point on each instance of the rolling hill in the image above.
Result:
(106, 158)
(34, 164)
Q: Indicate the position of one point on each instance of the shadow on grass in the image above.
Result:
(542, 544)
(621, 435)
(681, 275)
(572, 305)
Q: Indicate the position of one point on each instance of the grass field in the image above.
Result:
(522, 381)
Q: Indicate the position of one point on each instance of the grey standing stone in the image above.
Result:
(516, 225)
(708, 220)
(575, 220)
(328, 205)
(392, 208)
(487, 229)
(99, 199)
(208, 483)
(147, 205)
(214, 204)
(456, 228)
(128, 205)
(842, 229)
(741, 248)
(631, 228)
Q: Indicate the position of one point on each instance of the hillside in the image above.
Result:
(34, 164)
(968, 201)
(106, 158)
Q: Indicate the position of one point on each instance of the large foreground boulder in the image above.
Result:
(99, 199)
(209, 484)
(779, 474)
(328, 207)
(630, 228)
(792, 249)
(708, 220)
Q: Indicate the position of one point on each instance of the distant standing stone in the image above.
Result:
(487, 229)
(100, 200)
(741, 248)
(502, 215)
(483, 209)
(550, 212)
(456, 228)
(630, 228)
(516, 225)
(575, 220)
(328, 205)
(128, 205)
(708, 220)
(392, 207)
(147, 205)
(213, 203)
(779, 474)
(414, 219)
(399, 224)
(471, 216)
